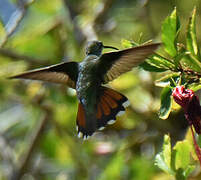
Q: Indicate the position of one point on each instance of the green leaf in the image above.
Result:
(175, 162)
(166, 103)
(182, 154)
(181, 159)
(191, 40)
(167, 150)
(182, 174)
(188, 170)
(126, 43)
(163, 159)
(195, 86)
(190, 62)
(168, 80)
(181, 52)
(170, 28)
(160, 62)
(159, 161)
(151, 67)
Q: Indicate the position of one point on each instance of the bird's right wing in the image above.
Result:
(62, 73)
(113, 64)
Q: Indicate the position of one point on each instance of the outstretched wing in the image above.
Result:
(113, 64)
(62, 73)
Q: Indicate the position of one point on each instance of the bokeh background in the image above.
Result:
(38, 139)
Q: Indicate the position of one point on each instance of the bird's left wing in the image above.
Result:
(62, 73)
(113, 64)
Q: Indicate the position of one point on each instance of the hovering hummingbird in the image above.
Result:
(98, 105)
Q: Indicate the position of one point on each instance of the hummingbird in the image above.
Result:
(98, 105)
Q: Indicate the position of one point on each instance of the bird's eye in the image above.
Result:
(100, 45)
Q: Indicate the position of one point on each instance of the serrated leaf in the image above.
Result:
(160, 62)
(175, 162)
(191, 39)
(167, 80)
(166, 103)
(159, 161)
(163, 159)
(170, 29)
(190, 62)
(151, 67)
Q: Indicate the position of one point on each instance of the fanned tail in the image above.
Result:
(110, 104)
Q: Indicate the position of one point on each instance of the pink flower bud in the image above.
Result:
(187, 99)
(182, 96)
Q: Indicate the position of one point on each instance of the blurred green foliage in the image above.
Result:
(38, 138)
(177, 161)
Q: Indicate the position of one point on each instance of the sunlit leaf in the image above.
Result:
(170, 30)
(190, 62)
(167, 150)
(151, 67)
(191, 39)
(175, 162)
(160, 62)
(159, 161)
(168, 80)
(163, 159)
(182, 154)
(126, 43)
(180, 54)
(195, 86)
(181, 159)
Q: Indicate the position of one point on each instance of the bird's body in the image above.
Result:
(87, 87)
(87, 82)
(98, 105)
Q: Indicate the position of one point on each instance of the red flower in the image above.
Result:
(187, 99)
(191, 104)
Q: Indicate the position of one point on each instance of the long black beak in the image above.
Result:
(110, 47)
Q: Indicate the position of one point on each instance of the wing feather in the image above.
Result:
(63, 73)
(113, 64)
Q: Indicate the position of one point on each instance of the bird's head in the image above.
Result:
(96, 47)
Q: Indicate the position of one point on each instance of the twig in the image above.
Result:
(7, 155)
(88, 32)
(81, 35)
(18, 15)
(101, 15)
(14, 55)
(22, 168)
(148, 19)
